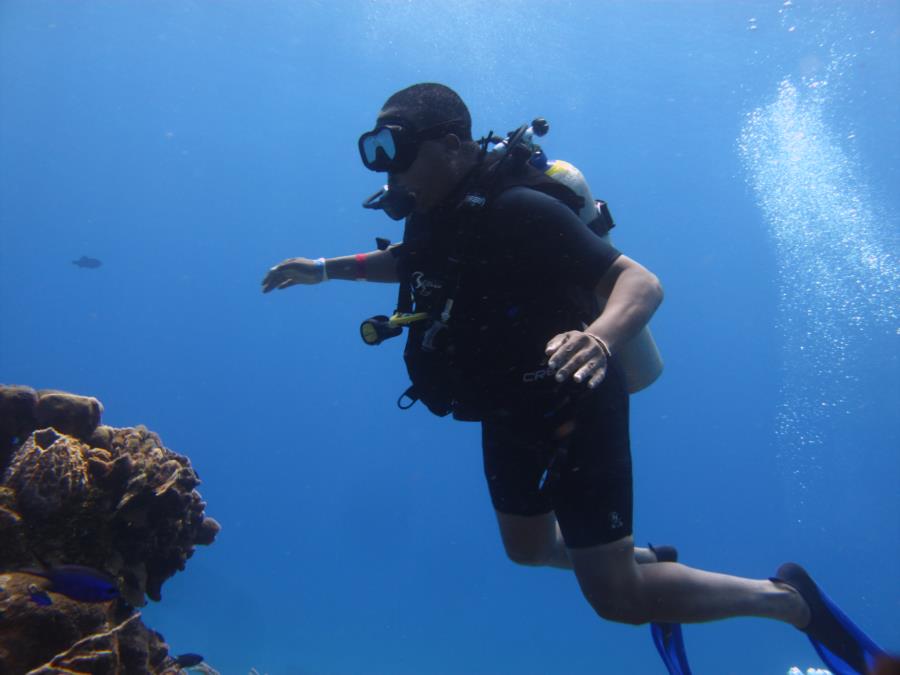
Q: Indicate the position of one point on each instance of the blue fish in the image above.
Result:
(84, 584)
(188, 660)
(38, 596)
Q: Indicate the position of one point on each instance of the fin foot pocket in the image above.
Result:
(840, 643)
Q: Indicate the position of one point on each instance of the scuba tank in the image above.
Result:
(639, 359)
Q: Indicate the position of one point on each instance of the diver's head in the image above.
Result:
(423, 140)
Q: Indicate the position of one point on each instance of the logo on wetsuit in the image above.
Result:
(423, 286)
(537, 375)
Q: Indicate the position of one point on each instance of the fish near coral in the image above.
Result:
(38, 596)
(80, 583)
(188, 660)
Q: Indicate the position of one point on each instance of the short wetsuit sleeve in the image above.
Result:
(547, 234)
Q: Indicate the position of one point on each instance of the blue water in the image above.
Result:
(750, 153)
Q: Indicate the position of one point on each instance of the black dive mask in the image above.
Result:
(393, 146)
(395, 201)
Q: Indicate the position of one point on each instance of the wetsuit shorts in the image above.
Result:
(575, 462)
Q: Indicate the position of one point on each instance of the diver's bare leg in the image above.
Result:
(620, 590)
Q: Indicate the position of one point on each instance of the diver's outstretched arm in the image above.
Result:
(373, 266)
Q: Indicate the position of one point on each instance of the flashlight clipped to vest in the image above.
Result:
(377, 329)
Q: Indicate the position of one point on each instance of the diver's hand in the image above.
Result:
(578, 355)
(291, 272)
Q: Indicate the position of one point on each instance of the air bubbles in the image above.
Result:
(817, 209)
(837, 262)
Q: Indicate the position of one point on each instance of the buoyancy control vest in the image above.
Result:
(445, 243)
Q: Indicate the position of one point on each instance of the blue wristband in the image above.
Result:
(320, 263)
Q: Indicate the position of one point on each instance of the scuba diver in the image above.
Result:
(519, 312)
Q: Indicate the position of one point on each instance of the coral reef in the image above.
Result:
(67, 636)
(114, 501)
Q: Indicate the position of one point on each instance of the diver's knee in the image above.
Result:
(528, 540)
(530, 557)
(618, 605)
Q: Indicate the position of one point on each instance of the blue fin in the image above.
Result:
(670, 644)
(840, 643)
(667, 636)
(869, 651)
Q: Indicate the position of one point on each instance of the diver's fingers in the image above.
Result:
(588, 369)
(272, 280)
(273, 276)
(564, 348)
(598, 375)
(555, 343)
(290, 272)
(560, 348)
(576, 360)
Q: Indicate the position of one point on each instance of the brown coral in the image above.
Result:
(22, 410)
(70, 414)
(159, 515)
(75, 492)
(130, 510)
(78, 492)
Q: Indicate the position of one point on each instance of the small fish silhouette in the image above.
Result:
(188, 660)
(84, 584)
(88, 263)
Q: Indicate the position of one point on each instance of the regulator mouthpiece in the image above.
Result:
(397, 203)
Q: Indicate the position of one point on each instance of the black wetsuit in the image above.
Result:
(530, 267)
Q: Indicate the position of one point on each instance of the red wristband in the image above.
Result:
(360, 265)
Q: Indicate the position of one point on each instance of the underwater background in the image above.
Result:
(750, 154)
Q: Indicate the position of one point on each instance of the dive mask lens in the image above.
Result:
(383, 140)
(381, 149)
